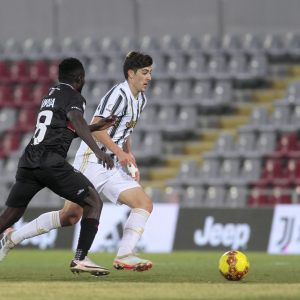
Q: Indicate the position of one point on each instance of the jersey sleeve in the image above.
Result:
(112, 105)
(76, 102)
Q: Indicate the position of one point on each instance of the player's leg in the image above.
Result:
(74, 186)
(124, 189)
(20, 195)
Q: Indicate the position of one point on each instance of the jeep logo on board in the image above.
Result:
(230, 235)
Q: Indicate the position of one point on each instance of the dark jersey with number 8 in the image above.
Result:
(54, 133)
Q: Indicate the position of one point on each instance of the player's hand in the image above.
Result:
(137, 176)
(126, 159)
(105, 123)
(107, 161)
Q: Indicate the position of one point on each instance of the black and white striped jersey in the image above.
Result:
(118, 101)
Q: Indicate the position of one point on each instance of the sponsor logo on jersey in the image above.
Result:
(80, 191)
(48, 102)
(131, 124)
(109, 107)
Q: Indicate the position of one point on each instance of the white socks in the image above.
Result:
(43, 224)
(133, 230)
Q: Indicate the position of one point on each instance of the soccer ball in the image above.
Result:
(234, 265)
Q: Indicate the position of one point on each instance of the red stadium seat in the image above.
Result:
(6, 96)
(21, 95)
(258, 196)
(26, 120)
(10, 144)
(287, 143)
(53, 70)
(38, 92)
(291, 175)
(281, 195)
(272, 171)
(19, 72)
(38, 72)
(4, 72)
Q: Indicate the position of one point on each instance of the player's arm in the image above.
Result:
(83, 131)
(104, 138)
(103, 124)
(127, 149)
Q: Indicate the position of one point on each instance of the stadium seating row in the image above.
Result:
(277, 47)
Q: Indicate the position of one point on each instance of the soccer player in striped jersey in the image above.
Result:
(127, 101)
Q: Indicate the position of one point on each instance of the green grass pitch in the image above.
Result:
(34, 274)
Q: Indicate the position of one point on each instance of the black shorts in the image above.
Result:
(63, 180)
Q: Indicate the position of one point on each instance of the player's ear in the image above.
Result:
(130, 73)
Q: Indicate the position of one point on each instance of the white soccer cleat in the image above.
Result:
(6, 243)
(86, 265)
(132, 262)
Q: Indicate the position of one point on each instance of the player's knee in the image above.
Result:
(69, 218)
(95, 199)
(144, 202)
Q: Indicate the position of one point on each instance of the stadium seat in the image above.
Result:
(159, 67)
(266, 143)
(281, 116)
(109, 46)
(193, 197)
(12, 50)
(231, 44)
(257, 71)
(89, 48)
(115, 69)
(274, 48)
(215, 197)
(21, 95)
(245, 143)
(69, 48)
(250, 171)
(196, 67)
(236, 197)
(148, 45)
(290, 175)
(180, 92)
(26, 120)
(294, 123)
(155, 194)
(209, 169)
(50, 50)
(291, 97)
(38, 72)
(97, 92)
(159, 92)
(19, 72)
(224, 144)
(237, 65)
(201, 91)
(252, 44)
(31, 49)
(173, 195)
(10, 143)
(259, 117)
(229, 169)
(7, 118)
(281, 195)
(96, 70)
(168, 44)
(38, 92)
(26, 138)
(210, 44)
(272, 170)
(258, 196)
(4, 72)
(217, 67)
(53, 70)
(189, 45)
(6, 96)
(128, 44)
(287, 144)
(176, 66)
(8, 173)
(188, 169)
(292, 46)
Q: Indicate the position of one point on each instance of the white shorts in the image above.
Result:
(109, 182)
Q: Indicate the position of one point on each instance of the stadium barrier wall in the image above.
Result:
(276, 230)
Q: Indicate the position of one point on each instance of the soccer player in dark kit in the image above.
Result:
(43, 164)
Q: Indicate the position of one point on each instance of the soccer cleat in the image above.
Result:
(6, 243)
(86, 265)
(132, 262)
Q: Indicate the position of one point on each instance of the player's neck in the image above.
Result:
(133, 90)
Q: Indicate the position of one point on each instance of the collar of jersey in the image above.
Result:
(128, 87)
(68, 85)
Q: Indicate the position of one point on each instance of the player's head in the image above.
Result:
(71, 71)
(137, 69)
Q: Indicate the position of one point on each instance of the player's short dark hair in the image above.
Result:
(70, 69)
(136, 60)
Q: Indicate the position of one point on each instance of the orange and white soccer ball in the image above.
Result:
(234, 265)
